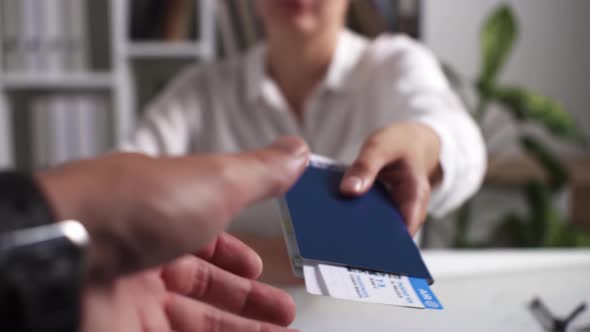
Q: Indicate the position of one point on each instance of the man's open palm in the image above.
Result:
(212, 291)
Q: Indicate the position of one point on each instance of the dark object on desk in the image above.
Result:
(548, 320)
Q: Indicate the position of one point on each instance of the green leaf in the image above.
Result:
(557, 174)
(582, 239)
(559, 234)
(548, 228)
(527, 105)
(541, 211)
(562, 234)
(511, 232)
(497, 39)
(461, 239)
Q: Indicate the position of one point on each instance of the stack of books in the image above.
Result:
(238, 27)
(177, 21)
(163, 20)
(44, 36)
(68, 127)
(374, 17)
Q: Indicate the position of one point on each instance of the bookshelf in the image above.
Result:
(84, 81)
(155, 50)
(111, 76)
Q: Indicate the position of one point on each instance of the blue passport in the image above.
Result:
(367, 232)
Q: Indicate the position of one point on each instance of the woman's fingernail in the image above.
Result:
(352, 184)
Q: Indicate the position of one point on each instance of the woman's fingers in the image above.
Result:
(188, 315)
(361, 175)
(405, 156)
(413, 142)
(197, 279)
(410, 191)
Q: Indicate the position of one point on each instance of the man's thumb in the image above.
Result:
(269, 172)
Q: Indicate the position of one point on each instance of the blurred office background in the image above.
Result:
(76, 74)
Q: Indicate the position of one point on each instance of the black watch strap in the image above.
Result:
(40, 268)
(22, 203)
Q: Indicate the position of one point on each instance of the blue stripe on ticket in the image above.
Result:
(425, 294)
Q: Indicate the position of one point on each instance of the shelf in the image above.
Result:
(518, 171)
(57, 82)
(158, 50)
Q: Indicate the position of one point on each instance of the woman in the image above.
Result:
(383, 106)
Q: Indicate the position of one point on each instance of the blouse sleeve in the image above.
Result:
(422, 94)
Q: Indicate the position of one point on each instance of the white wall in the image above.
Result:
(553, 55)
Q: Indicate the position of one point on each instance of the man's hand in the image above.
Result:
(405, 157)
(210, 291)
(142, 212)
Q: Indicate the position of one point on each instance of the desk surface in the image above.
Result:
(481, 291)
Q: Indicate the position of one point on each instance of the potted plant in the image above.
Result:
(543, 225)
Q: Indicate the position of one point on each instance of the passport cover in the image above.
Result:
(365, 232)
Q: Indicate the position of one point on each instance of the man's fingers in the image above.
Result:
(142, 212)
(188, 315)
(188, 201)
(195, 278)
(240, 180)
(270, 172)
(231, 254)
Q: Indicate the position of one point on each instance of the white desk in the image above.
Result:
(481, 291)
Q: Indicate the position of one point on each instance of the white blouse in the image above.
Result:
(233, 105)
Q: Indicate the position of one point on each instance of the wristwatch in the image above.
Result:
(41, 261)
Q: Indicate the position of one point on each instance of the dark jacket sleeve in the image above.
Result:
(22, 202)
